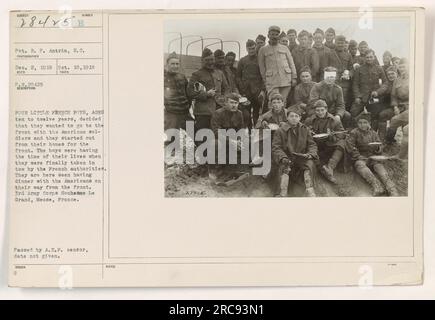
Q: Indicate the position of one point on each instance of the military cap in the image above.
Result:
(219, 53)
(363, 42)
(303, 33)
(250, 43)
(330, 30)
(364, 115)
(353, 44)
(319, 31)
(340, 38)
(172, 55)
(387, 53)
(230, 53)
(305, 69)
(395, 58)
(291, 31)
(274, 28)
(276, 96)
(261, 37)
(320, 103)
(206, 52)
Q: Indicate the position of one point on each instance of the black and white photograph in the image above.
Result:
(304, 107)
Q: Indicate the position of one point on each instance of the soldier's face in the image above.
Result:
(303, 41)
(292, 37)
(219, 61)
(321, 112)
(293, 118)
(277, 105)
(208, 62)
(370, 58)
(284, 41)
(229, 61)
(403, 68)
(330, 77)
(273, 36)
(173, 65)
(329, 36)
(252, 51)
(340, 45)
(305, 77)
(260, 43)
(386, 59)
(353, 50)
(231, 105)
(363, 48)
(396, 63)
(391, 75)
(318, 38)
(363, 124)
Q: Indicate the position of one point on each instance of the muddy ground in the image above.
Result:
(182, 180)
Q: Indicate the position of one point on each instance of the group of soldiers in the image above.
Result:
(328, 100)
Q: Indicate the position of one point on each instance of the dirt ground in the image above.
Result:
(182, 180)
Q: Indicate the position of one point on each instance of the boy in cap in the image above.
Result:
(331, 148)
(260, 41)
(207, 86)
(329, 38)
(250, 82)
(362, 143)
(276, 65)
(304, 55)
(176, 101)
(302, 93)
(294, 148)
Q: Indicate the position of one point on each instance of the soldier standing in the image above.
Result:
(329, 38)
(304, 55)
(324, 53)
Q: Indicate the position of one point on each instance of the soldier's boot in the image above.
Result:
(386, 180)
(309, 188)
(328, 169)
(371, 179)
(382, 130)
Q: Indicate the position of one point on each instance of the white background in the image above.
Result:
(412, 292)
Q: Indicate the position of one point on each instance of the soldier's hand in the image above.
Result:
(358, 100)
(337, 117)
(211, 92)
(294, 82)
(374, 94)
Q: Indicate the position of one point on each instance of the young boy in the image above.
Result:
(331, 148)
(293, 148)
(362, 143)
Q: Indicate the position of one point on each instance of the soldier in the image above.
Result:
(342, 61)
(329, 91)
(220, 64)
(260, 41)
(367, 84)
(399, 102)
(332, 147)
(276, 115)
(276, 65)
(302, 94)
(304, 55)
(292, 35)
(353, 50)
(250, 81)
(388, 112)
(395, 62)
(207, 87)
(230, 58)
(362, 143)
(176, 101)
(283, 39)
(324, 53)
(227, 117)
(293, 149)
(329, 38)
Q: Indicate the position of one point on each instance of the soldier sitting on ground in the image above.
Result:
(330, 138)
(293, 149)
(363, 143)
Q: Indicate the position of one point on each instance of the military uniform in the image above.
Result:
(306, 57)
(365, 81)
(205, 106)
(399, 98)
(342, 60)
(326, 59)
(301, 97)
(176, 101)
(277, 69)
(272, 117)
(250, 83)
